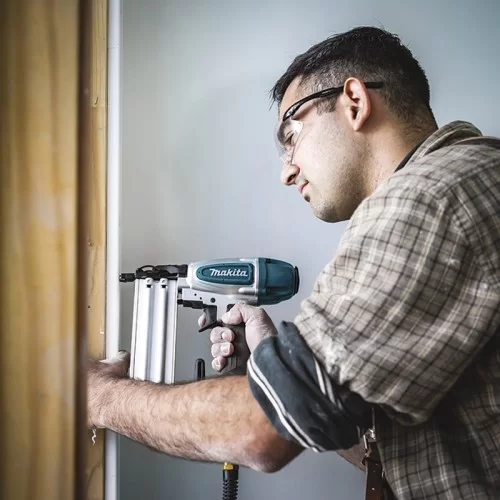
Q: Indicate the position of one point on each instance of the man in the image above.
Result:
(404, 321)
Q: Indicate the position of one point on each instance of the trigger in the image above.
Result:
(211, 317)
(211, 325)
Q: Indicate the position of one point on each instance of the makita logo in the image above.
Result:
(229, 273)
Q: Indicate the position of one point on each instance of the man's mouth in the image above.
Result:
(302, 186)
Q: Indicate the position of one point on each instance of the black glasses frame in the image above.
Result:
(323, 93)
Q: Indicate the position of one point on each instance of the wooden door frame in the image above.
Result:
(53, 110)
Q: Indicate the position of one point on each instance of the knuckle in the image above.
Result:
(228, 335)
(260, 312)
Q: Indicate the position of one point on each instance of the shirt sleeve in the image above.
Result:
(402, 310)
(299, 398)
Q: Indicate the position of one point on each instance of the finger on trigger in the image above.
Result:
(202, 320)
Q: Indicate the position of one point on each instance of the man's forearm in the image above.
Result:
(212, 420)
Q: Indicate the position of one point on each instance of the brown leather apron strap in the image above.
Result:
(377, 487)
(374, 477)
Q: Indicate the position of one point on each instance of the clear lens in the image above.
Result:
(285, 137)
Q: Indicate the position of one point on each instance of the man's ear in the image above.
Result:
(356, 103)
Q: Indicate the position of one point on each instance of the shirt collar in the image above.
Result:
(444, 136)
(406, 159)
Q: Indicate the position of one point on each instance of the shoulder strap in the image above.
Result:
(492, 142)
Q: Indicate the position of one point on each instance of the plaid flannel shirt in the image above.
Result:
(406, 318)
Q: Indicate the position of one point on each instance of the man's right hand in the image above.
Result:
(258, 325)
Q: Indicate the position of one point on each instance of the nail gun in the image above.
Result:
(207, 285)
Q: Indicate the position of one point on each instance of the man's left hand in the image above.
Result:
(100, 377)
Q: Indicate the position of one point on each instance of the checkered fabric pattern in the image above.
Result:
(407, 317)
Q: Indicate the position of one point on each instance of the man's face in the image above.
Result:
(327, 162)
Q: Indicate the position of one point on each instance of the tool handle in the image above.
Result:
(237, 363)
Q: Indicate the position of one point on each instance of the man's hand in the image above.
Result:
(100, 375)
(258, 325)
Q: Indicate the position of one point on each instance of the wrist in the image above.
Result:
(107, 402)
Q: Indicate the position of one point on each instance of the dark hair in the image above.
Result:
(367, 53)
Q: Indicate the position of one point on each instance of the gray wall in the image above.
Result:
(201, 177)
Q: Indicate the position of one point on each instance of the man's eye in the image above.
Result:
(289, 140)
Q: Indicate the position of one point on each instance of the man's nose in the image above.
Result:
(289, 173)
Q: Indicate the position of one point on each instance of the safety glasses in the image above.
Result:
(287, 132)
